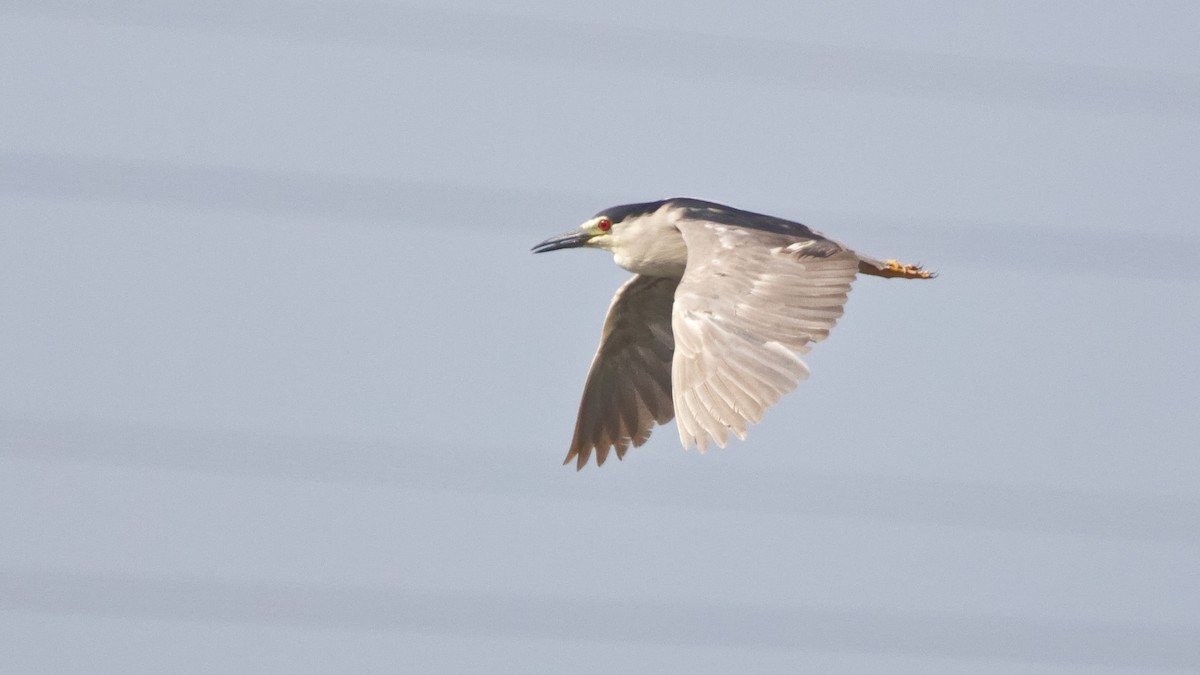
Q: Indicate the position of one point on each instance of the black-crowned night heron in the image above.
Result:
(709, 328)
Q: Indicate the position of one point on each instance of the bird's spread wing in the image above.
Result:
(748, 302)
(628, 388)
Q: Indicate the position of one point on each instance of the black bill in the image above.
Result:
(569, 240)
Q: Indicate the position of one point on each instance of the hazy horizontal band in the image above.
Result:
(872, 498)
(978, 637)
(657, 51)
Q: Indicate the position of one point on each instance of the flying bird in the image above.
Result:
(710, 327)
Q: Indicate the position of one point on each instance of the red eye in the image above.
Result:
(605, 224)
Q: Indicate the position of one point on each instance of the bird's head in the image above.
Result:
(642, 237)
(597, 232)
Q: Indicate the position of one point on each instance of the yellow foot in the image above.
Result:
(895, 269)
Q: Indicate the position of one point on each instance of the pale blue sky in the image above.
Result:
(282, 390)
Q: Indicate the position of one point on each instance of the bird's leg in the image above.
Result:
(894, 269)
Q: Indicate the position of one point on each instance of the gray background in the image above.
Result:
(282, 390)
